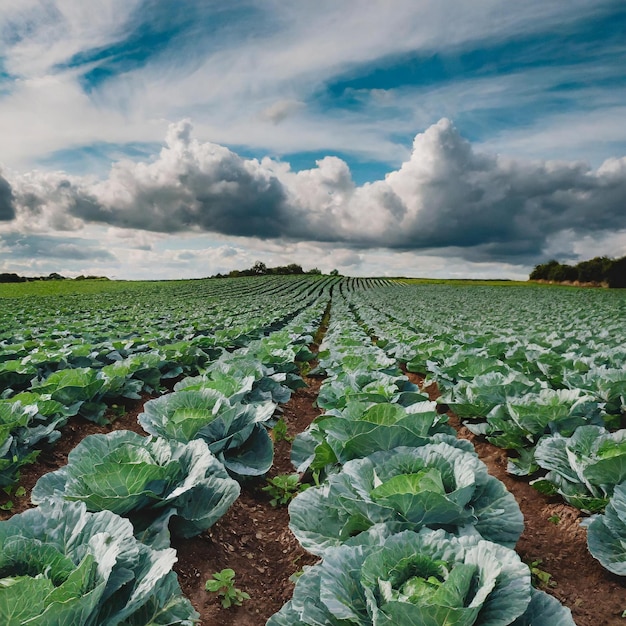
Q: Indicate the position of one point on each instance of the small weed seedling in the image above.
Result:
(539, 577)
(555, 519)
(296, 575)
(18, 493)
(280, 431)
(223, 583)
(283, 488)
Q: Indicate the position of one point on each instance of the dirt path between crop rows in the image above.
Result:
(554, 540)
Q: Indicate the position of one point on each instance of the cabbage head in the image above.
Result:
(436, 485)
(362, 428)
(152, 481)
(583, 468)
(235, 432)
(427, 578)
(63, 566)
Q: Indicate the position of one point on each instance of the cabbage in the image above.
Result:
(235, 433)
(61, 565)
(367, 386)
(428, 578)
(436, 485)
(606, 534)
(583, 468)
(151, 481)
(361, 429)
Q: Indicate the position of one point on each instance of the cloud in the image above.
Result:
(191, 187)
(281, 110)
(111, 71)
(447, 196)
(20, 246)
(7, 210)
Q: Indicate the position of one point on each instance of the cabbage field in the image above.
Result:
(357, 451)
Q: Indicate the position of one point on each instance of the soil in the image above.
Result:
(254, 540)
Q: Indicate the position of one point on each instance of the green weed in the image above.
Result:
(223, 583)
(283, 488)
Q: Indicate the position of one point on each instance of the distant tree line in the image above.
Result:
(260, 269)
(7, 277)
(599, 270)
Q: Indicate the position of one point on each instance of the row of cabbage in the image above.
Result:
(45, 381)
(410, 527)
(97, 548)
(547, 383)
(165, 340)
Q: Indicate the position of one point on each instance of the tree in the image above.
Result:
(561, 273)
(259, 268)
(594, 270)
(294, 268)
(6, 277)
(335, 273)
(617, 274)
(543, 270)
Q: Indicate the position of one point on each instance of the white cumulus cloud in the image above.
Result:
(446, 196)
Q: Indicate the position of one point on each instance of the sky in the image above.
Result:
(150, 139)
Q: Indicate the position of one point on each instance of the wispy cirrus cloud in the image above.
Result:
(116, 71)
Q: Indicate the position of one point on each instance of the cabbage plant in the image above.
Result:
(14, 418)
(360, 429)
(476, 398)
(154, 482)
(80, 385)
(437, 485)
(427, 578)
(583, 468)
(28, 421)
(521, 422)
(241, 379)
(607, 383)
(61, 565)
(367, 386)
(235, 433)
(606, 534)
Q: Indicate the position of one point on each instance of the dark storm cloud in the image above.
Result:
(7, 208)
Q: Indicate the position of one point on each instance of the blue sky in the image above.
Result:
(145, 138)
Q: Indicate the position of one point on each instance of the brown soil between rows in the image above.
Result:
(554, 538)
